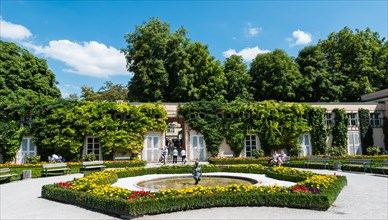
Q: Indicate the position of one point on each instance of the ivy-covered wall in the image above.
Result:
(366, 130)
(319, 130)
(117, 125)
(340, 131)
(61, 126)
(277, 124)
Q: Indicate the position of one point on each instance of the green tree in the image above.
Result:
(204, 79)
(155, 56)
(317, 85)
(238, 79)
(109, 92)
(20, 70)
(25, 82)
(356, 61)
(275, 76)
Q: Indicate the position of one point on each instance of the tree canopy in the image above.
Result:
(155, 55)
(356, 62)
(167, 66)
(25, 82)
(109, 92)
(204, 79)
(238, 79)
(275, 76)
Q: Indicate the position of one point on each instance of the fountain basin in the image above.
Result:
(130, 183)
(187, 181)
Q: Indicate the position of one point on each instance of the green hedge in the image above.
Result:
(138, 207)
(299, 161)
(75, 167)
(239, 160)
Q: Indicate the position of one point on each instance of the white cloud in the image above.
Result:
(88, 58)
(248, 54)
(13, 31)
(252, 31)
(300, 38)
(68, 89)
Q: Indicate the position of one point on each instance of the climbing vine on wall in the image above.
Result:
(366, 129)
(116, 125)
(237, 120)
(10, 138)
(278, 125)
(319, 131)
(340, 129)
(204, 117)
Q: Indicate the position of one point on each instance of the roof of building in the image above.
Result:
(378, 96)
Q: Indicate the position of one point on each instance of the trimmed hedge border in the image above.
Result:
(299, 162)
(74, 166)
(138, 207)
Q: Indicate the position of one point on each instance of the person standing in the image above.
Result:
(183, 155)
(165, 154)
(175, 155)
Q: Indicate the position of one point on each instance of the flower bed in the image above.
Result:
(312, 191)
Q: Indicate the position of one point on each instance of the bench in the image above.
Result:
(55, 168)
(316, 160)
(228, 155)
(5, 173)
(383, 167)
(122, 158)
(364, 163)
(90, 165)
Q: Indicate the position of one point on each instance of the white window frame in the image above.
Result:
(353, 119)
(155, 149)
(249, 148)
(354, 143)
(375, 120)
(94, 142)
(306, 147)
(197, 148)
(31, 150)
(171, 128)
(329, 119)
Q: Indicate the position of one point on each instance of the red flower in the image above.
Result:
(65, 184)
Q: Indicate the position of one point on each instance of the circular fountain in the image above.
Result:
(186, 181)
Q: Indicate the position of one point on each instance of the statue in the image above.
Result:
(197, 173)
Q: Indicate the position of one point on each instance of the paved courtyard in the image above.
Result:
(365, 197)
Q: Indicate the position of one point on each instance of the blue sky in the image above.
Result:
(81, 39)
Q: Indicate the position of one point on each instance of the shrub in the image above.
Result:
(295, 151)
(372, 150)
(258, 153)
(33, 159)
(336, 151)
(89, 157)
(238, 160)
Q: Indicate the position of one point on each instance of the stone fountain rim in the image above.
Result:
(253, 181)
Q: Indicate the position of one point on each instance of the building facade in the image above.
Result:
(194, 143)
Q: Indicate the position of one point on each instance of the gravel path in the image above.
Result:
(365, 197)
